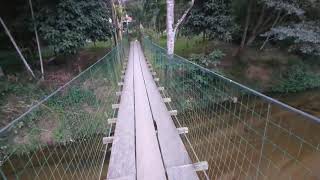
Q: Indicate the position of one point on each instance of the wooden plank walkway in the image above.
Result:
(149, 161)
(122, 163)
(176, 159)
(146, 143)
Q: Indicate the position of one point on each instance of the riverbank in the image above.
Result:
(19, 92)
(284, 76)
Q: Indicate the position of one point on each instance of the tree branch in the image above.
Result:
(267, 27)
(268, 20)
(246, 26)
(183, 17)
(256, 27)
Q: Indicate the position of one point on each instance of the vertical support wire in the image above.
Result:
(263, 139)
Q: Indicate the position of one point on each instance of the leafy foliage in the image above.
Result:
(290, 6)
(212, 59)
(68, 25)
(212, 17)
(305, 36)
(216, 55)
(74, 97)
(298, 78)
(262, 15)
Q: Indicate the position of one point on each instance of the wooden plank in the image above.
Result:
(107, 140)
(132, 177)
(112, 120)
(183, 130)
(148, 156)
(181, 172)
(122, 160)
(173, 151)
(166, 100)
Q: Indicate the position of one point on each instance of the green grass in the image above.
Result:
(185, 46)
(98, 45)
(65, 109)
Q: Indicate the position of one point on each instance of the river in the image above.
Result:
(308, 101)
(233, 143)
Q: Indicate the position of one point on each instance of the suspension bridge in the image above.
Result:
(139, 114)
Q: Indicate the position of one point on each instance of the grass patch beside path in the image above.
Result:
(18, 92)
(98, 45)
(185, 46)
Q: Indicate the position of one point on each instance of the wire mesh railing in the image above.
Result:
(241, 133)
(61, 136)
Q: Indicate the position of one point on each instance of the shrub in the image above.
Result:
(213, 58)
(197, 58)
(298, 78)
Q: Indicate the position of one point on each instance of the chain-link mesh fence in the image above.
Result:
(61, 136)
(241, 133)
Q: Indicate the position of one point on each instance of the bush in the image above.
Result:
(197, 58)
(213, 58)
(298, 78)
(73, 98)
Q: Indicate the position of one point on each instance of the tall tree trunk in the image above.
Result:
(170, 28)
(246, 26)
(114, 27)
(116, 24)
(245, 31)
(1, 72)
(204, 35)
(119, 25)
(256, 27)
(37, 39)
(17, 48)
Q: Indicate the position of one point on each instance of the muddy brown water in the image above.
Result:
(233, 149)
(306, 101)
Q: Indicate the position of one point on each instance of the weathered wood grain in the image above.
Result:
(122, 160)
(149, 162)
(146, 143)
(173, 150)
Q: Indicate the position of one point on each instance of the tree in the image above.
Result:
(155, 11)
(171, 28)
(304, 36)
(117, 14)
(67, 25)
(262, 15)
(212, 18)
(99, 29)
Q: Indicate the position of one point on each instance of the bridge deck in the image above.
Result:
(146, 143)
(123, 161)
(149, 162)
